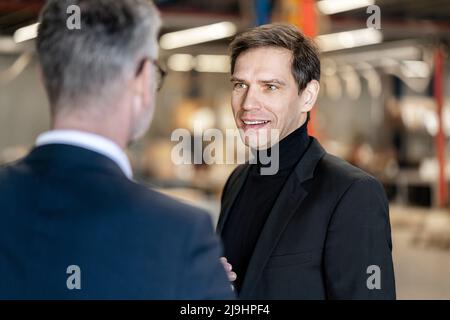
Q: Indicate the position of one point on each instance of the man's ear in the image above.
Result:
(142, 82)
(309, 95)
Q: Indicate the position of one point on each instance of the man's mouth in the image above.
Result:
(254, 124)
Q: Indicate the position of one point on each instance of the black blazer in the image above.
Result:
(328, 225)
(63, 205)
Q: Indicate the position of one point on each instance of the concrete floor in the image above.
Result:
(421, 272)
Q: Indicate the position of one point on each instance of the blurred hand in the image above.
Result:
(228, 269)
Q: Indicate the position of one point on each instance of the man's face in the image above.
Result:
(265, 95)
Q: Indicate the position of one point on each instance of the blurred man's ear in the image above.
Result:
(142, 85)
(309, 95)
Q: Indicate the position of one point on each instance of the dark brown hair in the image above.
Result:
(305, 56)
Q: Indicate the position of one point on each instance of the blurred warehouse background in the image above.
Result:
(384, 105)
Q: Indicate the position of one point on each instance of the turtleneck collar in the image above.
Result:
(291, 149)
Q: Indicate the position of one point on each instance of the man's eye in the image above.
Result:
(272, 87)
(239, 85)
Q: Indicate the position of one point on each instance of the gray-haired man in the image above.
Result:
(73, 225)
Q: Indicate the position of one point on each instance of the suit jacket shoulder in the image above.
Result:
(65, 205)
(348, 180)
(339, 170)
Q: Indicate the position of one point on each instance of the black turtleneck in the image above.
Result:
(255, 201)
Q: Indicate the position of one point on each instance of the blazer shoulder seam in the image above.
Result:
(365, 177)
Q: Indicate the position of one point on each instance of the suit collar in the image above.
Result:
(305, 168)
(234, 188)
(89, 141)
(70, 158)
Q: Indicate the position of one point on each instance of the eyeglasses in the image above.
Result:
(160, 72)
(160, 75)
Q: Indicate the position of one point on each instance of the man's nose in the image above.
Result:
(251, 100)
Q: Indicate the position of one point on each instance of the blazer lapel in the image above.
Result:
(234, 189)
(286, 205)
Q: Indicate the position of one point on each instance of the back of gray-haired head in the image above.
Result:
(90, 64)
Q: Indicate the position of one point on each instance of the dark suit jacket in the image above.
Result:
(328, 225)
(63, 205)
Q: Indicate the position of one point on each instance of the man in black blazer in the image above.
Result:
(318, 228)
(73, 224)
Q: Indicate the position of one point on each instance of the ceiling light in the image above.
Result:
(26, 33)
(335, 6)
(213, 63)
(181, 62)
(348, 39)
(202, 34)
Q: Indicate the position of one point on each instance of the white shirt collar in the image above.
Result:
(88, 141)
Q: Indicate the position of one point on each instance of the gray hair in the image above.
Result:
(79, 65)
